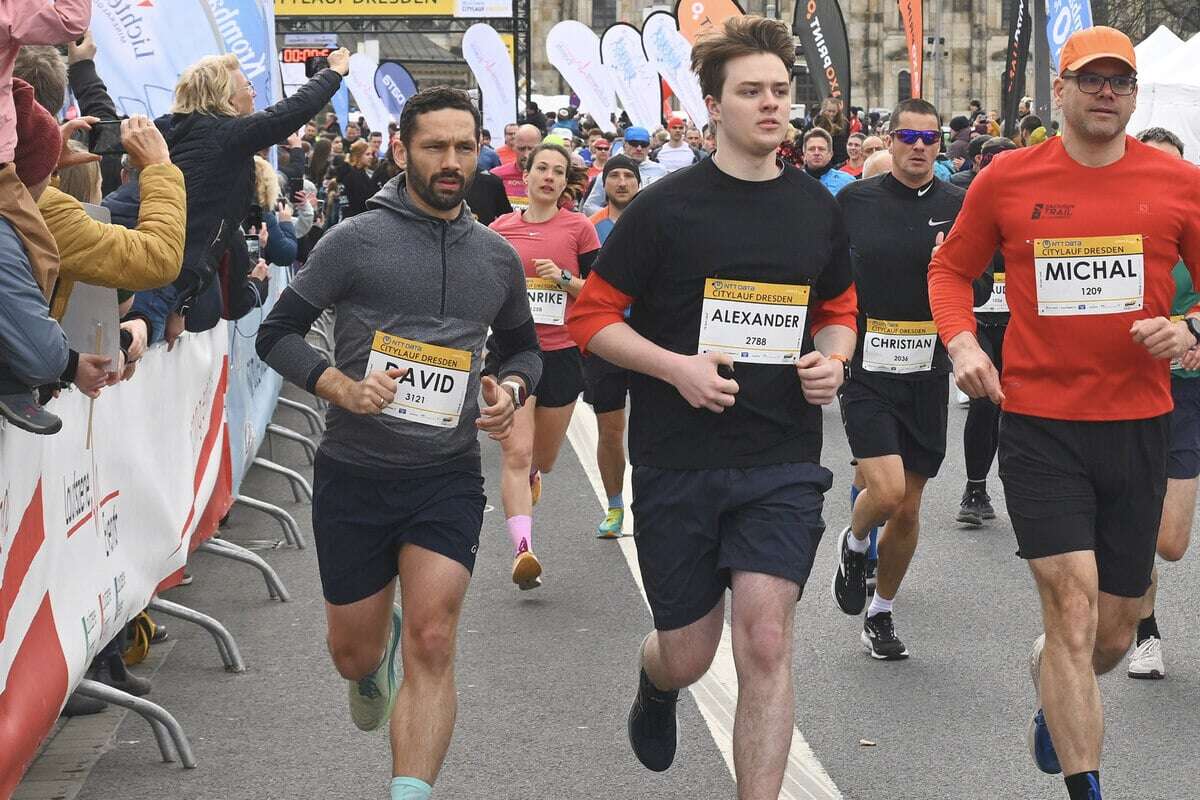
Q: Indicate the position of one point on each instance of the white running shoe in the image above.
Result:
(1146, 663)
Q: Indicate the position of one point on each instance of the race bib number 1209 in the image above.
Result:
(434, 389)
(1089, 275)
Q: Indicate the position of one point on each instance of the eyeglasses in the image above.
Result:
(1091, 83)
(637, 144)
(909, 136)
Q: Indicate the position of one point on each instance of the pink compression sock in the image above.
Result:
(520, 530)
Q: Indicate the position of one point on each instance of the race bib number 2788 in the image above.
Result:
(754, 322)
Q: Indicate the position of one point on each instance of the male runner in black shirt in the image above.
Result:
(894, 405)
(739, 330)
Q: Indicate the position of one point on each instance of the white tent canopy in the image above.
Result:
(1169, 88)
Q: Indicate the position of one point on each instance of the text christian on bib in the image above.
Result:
(434, 389)
(899, 347)
(754, 322)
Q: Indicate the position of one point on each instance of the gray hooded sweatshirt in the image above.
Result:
(396, 270)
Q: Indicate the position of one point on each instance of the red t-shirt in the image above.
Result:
(852, 170)
(562, 239)
(1062, 358)
(514, 184)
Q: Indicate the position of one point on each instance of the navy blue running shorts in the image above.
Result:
(693, 528)
(360, 521)
(1183, 461)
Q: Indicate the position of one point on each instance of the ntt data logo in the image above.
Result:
(127, 18)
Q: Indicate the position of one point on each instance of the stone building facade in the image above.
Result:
(969, 64)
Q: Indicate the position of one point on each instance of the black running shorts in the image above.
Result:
(562, 378)
(605, 385)
(360, 521)
(693, 528)
(886, 416)
(1087, 486)
(1183, 461)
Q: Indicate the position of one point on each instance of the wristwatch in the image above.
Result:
(565, 278)
(845, 365)
(519, 395)
(1193, 325)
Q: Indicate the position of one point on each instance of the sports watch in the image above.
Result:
(845, 365)
(1193, 325)
(519, 395)
(565, 278)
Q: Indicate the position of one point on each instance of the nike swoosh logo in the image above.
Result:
(934, 223)
(921, 192)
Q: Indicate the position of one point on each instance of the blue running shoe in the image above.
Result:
(1041, 747)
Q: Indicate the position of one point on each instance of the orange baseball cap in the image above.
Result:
(1090, 44)
(676, 122)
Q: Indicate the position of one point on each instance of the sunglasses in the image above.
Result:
(600, 149)
(1091, 83)
(909, 136)
(637, 144)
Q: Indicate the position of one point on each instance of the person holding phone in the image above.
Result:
(214, 132)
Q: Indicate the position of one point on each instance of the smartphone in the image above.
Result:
(295, 187)
(104, 138)
(254, 218)
(253, 247)
(314, 64)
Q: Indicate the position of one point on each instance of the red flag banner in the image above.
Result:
(914, 36)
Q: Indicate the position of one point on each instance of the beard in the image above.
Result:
(438, 198)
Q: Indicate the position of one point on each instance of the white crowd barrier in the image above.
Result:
(88, 536)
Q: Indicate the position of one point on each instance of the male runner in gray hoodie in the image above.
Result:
(398, 490)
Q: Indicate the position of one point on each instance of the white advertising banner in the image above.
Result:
(361, 82)
(488, 58)
(142, 48)
(88, 535)
(671, 54)
(574, 50)
(636, 79)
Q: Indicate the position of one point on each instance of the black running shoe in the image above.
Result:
(976, 506)
(850, 580)
(879, 637)
(653, 734)
(23, 411)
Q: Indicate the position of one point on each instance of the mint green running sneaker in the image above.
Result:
(372, 697)
(614, 520)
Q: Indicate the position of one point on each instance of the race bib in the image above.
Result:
(760, 323)
(899, 347)
(997, 303)
(547, 301)
(434, 389)
(1091, 275)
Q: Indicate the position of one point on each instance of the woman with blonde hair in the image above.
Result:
(213, 133)
(281, 242)
(81, 181)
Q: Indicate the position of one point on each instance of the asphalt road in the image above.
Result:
(545, 677)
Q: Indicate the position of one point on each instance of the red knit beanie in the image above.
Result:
(39, 142)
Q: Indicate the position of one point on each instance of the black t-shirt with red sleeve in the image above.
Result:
(697, 224)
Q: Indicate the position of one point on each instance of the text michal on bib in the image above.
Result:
(997, 302)
(547, 301)
(1090, 275)
(760, 323)
(434, 389)
(899, 347)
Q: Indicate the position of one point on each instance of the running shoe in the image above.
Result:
(372, 697)
(976, 506)
(850, 580)
(535, 487)
(879, 637)
(653, 732)
(527, 570)
(1146, 661)
(1037, 735)
(872, 568)
(614, 520)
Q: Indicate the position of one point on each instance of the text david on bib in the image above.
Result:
(434, 389)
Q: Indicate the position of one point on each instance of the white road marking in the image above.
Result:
(716, 692)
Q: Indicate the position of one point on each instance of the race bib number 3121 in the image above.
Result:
(434, 389)
(760, 323)
(1090, 275)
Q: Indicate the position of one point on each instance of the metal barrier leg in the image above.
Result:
(155, 714)
(299, 485)
(315, 421)
(291, 531)
(163, 737)
(310, 449)
(230, 550)
(230, 654)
